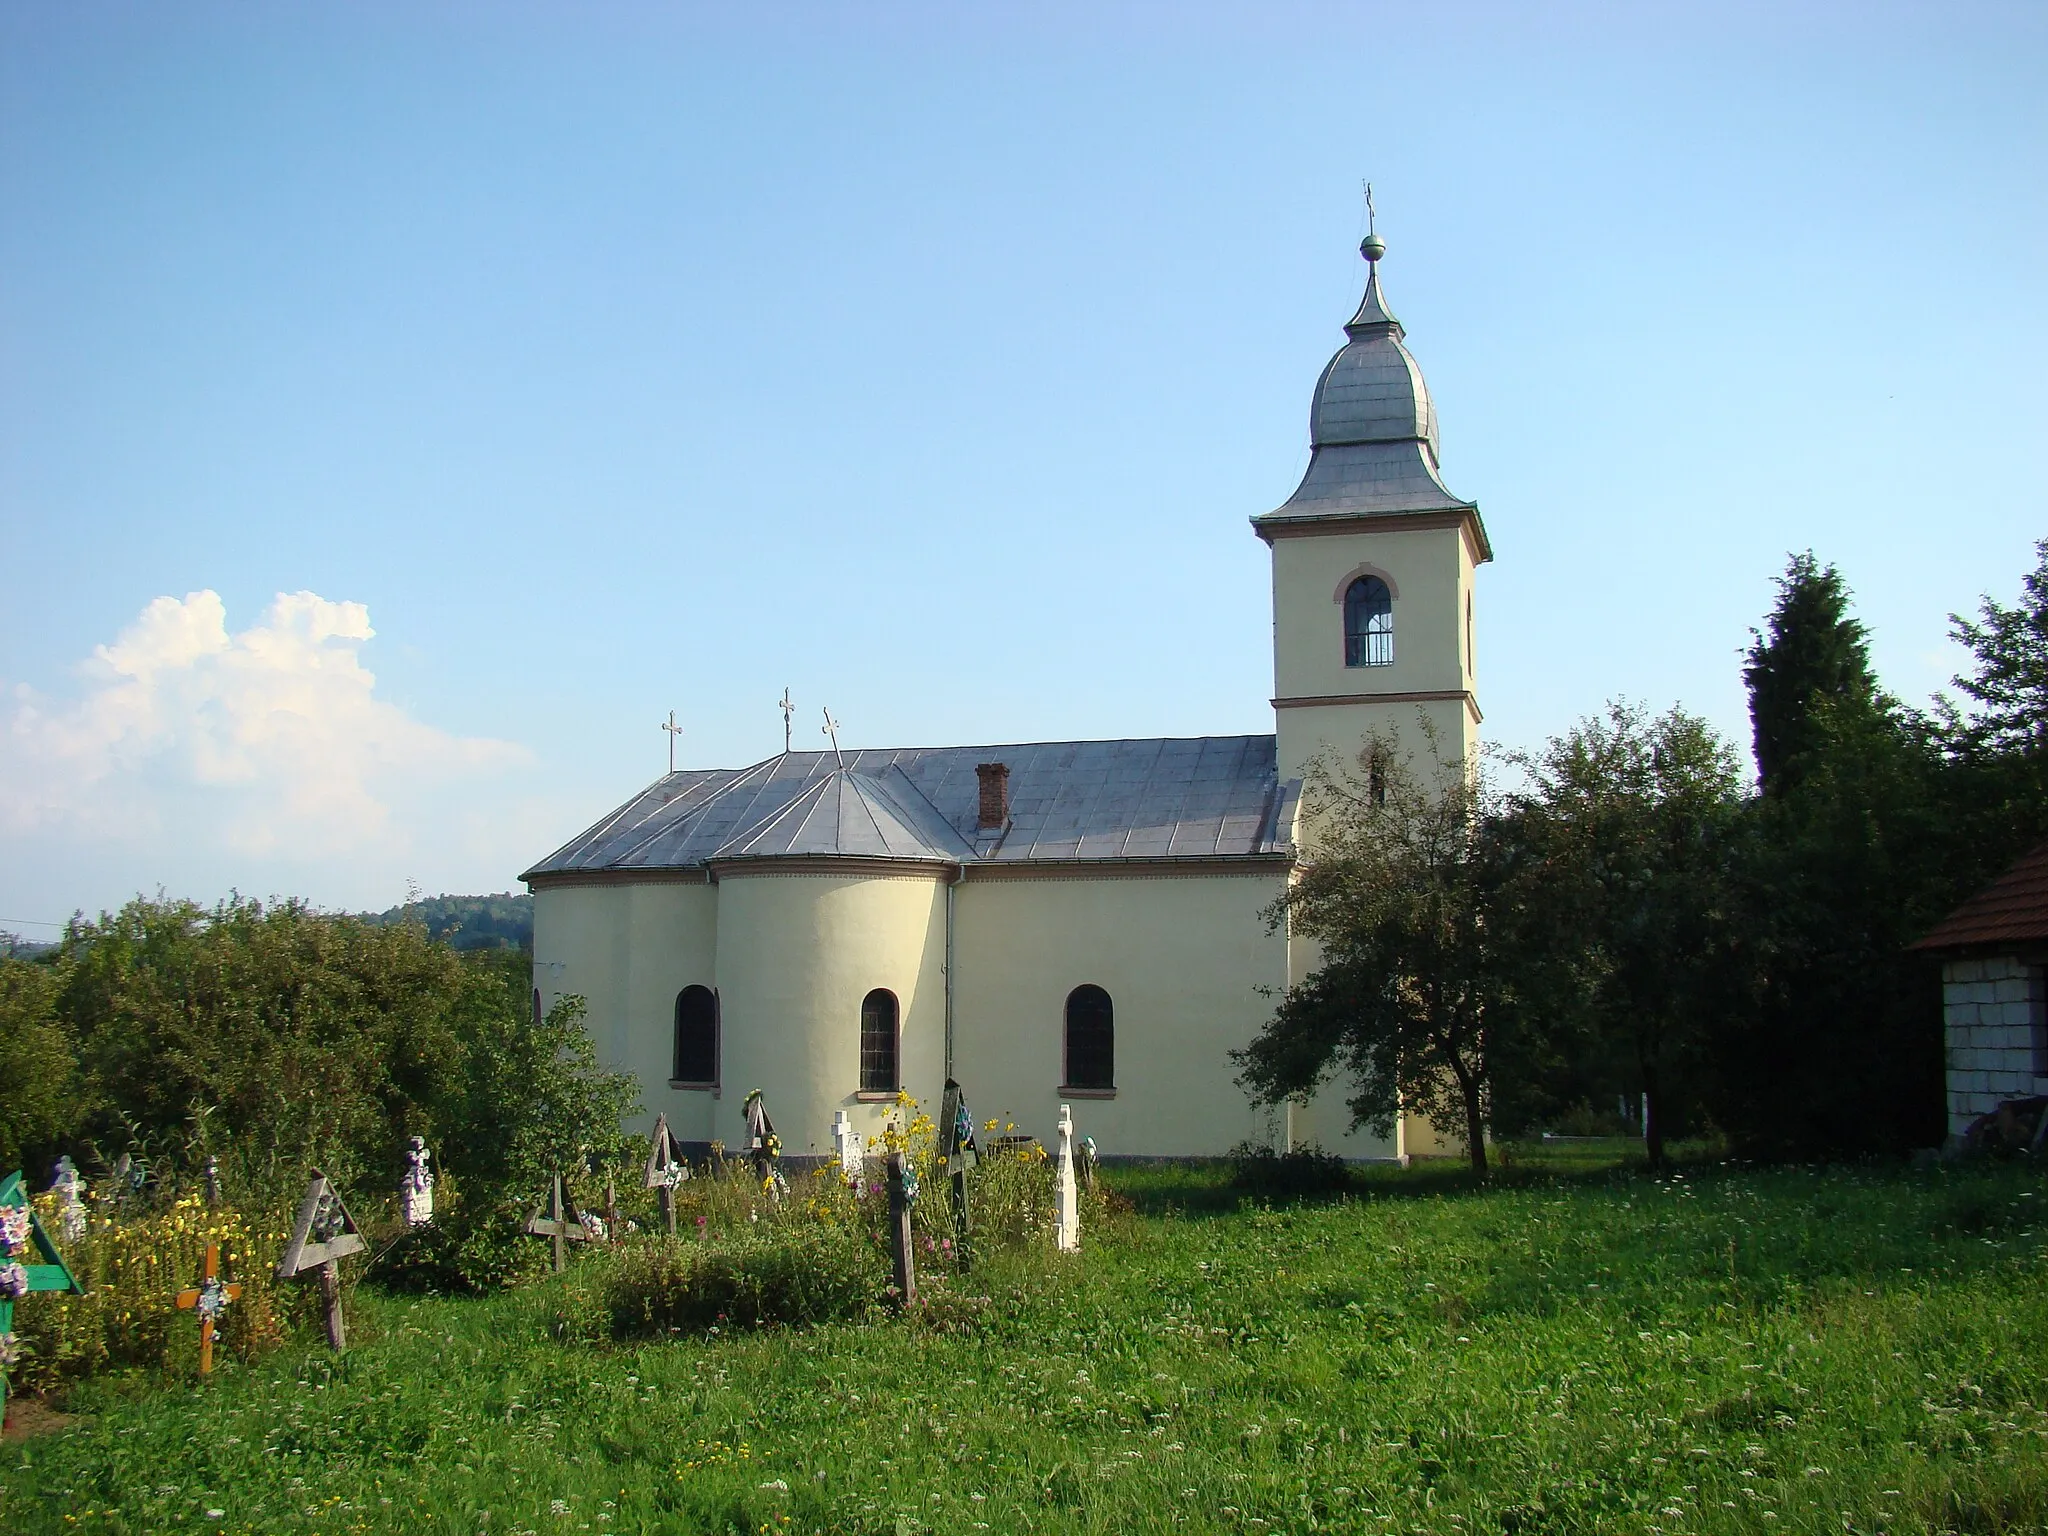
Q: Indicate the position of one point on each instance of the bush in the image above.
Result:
(792, 1275)
(132, 1267)
(476, 1247)
(1304, 1173)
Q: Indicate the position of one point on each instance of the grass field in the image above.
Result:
(1575, 1349)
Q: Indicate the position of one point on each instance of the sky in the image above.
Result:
(404, 406)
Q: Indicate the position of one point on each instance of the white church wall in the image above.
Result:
(1181, 957)
(628, 949)
(797, 954)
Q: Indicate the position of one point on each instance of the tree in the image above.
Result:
(1812, 658)
(2009, 686)
(38, 1073)
(1624, 836)
(1395, 895)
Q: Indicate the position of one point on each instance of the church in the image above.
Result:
(1049, 922)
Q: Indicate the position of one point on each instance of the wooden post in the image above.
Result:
(330, 1303)
(963, 1251)
(209, 1299)
(561, 1237)
(900, 1195)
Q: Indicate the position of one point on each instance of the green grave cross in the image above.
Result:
(23, 1239)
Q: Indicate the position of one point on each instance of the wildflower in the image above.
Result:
(13, 1280)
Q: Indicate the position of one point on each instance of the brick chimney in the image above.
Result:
(995, 796)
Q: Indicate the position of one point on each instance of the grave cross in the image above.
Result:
(665, 1171)
(563, 1223)
(902, 1195)
(209, 1299)
(958, 1153)
(1067, 1223)
(674, 731)
(22, 1238)
(322, 1236)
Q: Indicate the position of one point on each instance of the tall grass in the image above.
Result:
(1723, 1350)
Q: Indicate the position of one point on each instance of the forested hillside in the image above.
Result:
(501, 921)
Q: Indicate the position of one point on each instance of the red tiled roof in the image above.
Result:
(2013, 909)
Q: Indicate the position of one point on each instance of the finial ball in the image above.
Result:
(1372, 247)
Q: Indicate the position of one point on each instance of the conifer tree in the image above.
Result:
(1810, 665)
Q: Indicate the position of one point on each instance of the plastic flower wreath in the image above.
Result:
(213, 1297)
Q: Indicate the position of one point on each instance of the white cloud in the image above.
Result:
(266, 742)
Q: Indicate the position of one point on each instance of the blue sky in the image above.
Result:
(561, 365)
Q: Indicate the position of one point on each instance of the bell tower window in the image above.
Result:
(1368, 623)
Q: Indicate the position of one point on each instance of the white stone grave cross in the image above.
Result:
(1067, 1225)
(848, 1143)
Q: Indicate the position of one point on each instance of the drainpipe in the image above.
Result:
(953, 885)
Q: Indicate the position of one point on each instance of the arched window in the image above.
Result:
(1091, 1039)
(878, 1072)
(696, 1057)
(1368, 623)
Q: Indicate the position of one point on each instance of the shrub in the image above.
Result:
(785, 1274)
(474, 1248)
(1303, 1173)
(132, 1268)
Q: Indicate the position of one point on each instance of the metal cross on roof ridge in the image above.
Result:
(788, 711)
(832, 730)
(674, 731)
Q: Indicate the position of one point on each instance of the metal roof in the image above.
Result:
(1157, 798)
(1372, 427)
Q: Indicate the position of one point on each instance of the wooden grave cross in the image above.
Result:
(23, 1239)
(209, 1299)
(664, 1171)
(563, 1223)
(902, 1195)
(322, 1237)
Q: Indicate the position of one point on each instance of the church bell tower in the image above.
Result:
(1373, 560)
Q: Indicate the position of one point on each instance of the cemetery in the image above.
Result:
(945, 1329)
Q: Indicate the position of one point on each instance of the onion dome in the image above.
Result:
(1372, 429)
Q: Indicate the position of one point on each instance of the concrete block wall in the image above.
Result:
(1993, 1013)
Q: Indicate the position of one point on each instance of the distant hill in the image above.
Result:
(502, 921)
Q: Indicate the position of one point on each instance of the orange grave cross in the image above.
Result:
(209, 1299)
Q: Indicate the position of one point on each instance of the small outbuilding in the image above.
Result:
(1994, 993)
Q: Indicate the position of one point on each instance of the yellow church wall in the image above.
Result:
(1430, 572)
(1181, 958)
(628, 949)
(797, 954)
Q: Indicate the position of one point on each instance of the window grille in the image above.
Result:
(696, 1053)
(1091, 1039)
(878, 1032)
(1368, 623)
